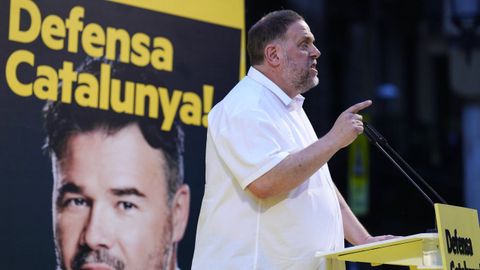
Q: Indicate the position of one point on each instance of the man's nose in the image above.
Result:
(316, 52)
(98, 231)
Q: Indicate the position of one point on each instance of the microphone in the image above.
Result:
(381, 143)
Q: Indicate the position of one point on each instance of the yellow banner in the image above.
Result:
(358, 176)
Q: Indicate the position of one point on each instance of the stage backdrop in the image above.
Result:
(195, 46)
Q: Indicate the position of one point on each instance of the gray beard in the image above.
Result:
(299, 77)
(306, 83)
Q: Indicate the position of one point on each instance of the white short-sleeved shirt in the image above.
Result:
(250, 131)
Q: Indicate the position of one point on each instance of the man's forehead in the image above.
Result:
(122, 163)
(80, 176)
(299, 30)
(103, 187)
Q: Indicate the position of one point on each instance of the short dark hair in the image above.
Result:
(62, 120)
(270, 27)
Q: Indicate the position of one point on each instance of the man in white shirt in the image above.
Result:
(269, 200)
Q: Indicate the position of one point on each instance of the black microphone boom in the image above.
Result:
(381, 143)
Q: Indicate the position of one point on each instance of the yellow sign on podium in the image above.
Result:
(459, 237)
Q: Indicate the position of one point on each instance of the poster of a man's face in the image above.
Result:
(119, 200)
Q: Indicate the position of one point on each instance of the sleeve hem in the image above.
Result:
(265, 168)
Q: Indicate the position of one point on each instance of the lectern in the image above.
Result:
(456, 246)
(419, 251)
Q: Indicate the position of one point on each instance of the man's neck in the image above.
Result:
(275, 75)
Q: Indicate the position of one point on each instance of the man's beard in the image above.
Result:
(85, 254)
(299, 77)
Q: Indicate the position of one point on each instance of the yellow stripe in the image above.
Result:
(223, 12)
(229, 13)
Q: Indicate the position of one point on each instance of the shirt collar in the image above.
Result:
(295, 103)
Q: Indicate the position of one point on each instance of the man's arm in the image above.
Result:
(355, 233)
(299, 166)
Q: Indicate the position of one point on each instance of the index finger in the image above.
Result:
(359, 106)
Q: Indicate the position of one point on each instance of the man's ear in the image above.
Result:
(272, 54)
(180, 212)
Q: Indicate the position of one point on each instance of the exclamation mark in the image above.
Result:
(207, 102)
